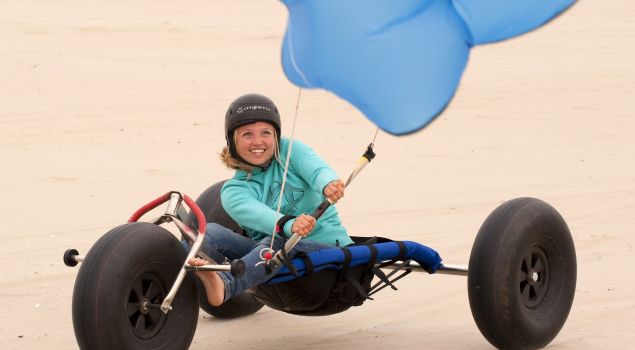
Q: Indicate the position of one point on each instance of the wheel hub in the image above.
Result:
(534, 277)
(144, 307)
(145, 321)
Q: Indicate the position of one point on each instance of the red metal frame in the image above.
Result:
(164, 198)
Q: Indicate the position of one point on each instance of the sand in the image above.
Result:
(106, 105)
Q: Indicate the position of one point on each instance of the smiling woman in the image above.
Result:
(267, 198)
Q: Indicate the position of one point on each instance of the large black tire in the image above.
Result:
(243, 304)
(210, 203)
(522, 275)
(130, 265)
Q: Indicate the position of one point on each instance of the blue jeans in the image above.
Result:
(221, 242)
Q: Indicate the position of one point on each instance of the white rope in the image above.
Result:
(375, 138)
(286, 169)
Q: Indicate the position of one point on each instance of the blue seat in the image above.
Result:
(332, 280)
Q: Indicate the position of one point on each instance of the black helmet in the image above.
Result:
(249, 109)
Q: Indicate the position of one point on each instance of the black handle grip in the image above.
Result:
(69, 257)
(238, 268)
(321, 209)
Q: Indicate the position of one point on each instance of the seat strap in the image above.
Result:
(346, 264)
(358, 287)
(379, 286)
(401, 257)
(307, 263)
(373, 256)
(284, 258)
(382, 279)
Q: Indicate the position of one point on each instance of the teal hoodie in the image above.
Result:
(251, 198)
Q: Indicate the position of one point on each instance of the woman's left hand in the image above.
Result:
(334, 191)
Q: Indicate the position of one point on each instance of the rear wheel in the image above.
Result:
(123, 280)
(242, 304)
(522, 275)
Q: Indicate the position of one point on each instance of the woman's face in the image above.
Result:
(256, 142)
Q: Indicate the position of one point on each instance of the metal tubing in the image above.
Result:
(191, 237)
(171, 214)
(450, 269)
(202, 221)
(173, 204)
(146, 208)
(208, 267)
(185, 230)
(457, 270)
(290, 244)
(78, 258)
(165, 306)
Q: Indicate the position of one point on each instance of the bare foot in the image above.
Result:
(214, 286)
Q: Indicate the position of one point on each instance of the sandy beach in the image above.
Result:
(107, 105)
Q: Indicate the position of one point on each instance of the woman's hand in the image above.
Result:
(334, 191)
(303, 225)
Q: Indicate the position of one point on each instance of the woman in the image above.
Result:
(254, 150)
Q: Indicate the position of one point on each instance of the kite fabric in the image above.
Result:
(398, 61)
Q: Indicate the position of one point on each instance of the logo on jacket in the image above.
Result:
(292, 197)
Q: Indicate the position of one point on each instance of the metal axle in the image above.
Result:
(445, 269)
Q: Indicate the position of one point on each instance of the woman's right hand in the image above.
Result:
(303, 225)
(334, 191)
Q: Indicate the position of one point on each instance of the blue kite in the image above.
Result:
(398, 61)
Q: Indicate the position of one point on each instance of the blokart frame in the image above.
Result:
(521, 277)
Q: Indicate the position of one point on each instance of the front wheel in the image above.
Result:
(120, 286)
(522, 275)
